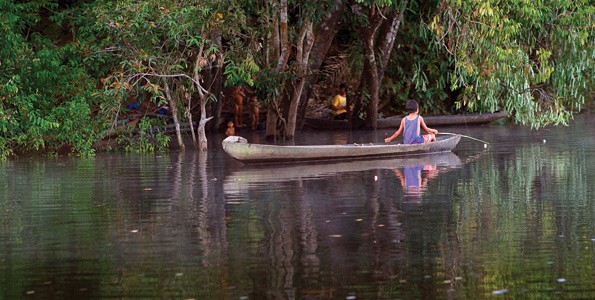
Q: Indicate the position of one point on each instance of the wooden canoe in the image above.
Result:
(393, 122)
(239, 148)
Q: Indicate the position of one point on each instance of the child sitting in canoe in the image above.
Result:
(410, 126)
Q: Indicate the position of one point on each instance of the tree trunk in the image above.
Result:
(304, 46)
(189, 116)
(271, 129)
(274, 112)
(217, 88)
(369, 72)
(324, 33)
(378, 43)
(174, 113)
(386, 37)
(202, 137)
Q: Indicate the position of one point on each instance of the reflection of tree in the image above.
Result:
(291, 237)
(385, 230)
(535, 194)
(210, 216)
(310, 262)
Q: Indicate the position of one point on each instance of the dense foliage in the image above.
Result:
(68, 69)
(46, 94)
(531, 58)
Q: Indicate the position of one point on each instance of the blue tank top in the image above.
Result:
(411, 132)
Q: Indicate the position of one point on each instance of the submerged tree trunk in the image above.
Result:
(174, 113)
(274, 112)
(304, 46)
(203, 94)
(188, 97)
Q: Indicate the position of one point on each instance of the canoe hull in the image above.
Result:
(239, 148)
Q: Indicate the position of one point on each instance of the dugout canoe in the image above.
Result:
(239, 148)
(393, 122)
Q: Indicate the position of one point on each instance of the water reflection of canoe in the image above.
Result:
(262, 174)
(239, 148)
(393, 122)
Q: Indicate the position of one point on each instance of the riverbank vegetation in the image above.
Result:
(76, 75)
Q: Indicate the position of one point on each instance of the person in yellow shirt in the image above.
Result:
(339, 103)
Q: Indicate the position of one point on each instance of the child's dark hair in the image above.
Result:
(411, 106)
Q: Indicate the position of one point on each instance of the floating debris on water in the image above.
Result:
(500, 292)
(234, 202)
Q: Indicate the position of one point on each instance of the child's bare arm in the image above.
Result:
(397, 133)
(422, 123)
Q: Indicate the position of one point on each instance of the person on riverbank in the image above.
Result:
(339, 103)
(237, 96)
(254, 111)
(410, 127)
(230, 129)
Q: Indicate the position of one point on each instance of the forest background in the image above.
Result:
(70, 69)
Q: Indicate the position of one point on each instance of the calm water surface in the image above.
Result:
(513, 220)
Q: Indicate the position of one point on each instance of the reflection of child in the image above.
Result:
(414, 180)
(230, 129)
(410, 127)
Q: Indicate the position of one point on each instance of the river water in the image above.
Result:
(512, 219)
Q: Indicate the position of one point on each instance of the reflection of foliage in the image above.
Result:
(538, 195)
